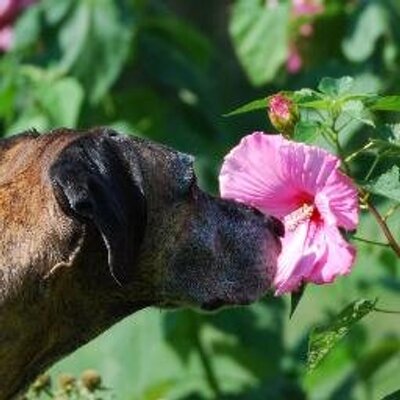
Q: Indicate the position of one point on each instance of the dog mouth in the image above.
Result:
(218, 304)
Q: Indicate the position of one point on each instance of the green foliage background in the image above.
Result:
(168, 71)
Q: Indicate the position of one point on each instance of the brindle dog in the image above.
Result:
(95, 226)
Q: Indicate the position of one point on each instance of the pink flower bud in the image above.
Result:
(283, 114)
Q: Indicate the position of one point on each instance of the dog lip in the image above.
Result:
(220, 303)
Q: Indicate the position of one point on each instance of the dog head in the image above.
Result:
(168, 243)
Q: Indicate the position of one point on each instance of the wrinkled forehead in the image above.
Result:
(172, 171)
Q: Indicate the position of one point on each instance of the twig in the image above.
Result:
(359, 239)
(381, 310)
(390, 212)
(208, 367)
(357, 152)
(385, 229)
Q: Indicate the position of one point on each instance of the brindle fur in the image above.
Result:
(57, 289)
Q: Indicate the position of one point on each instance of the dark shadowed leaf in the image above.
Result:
(393, 396)
(295, 299)
(323, 339)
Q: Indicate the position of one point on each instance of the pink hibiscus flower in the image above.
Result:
(294, 62)
(303, 186)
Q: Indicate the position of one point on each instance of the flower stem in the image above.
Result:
(360, 239)
(390, 212)
(357, 152)
(207, 365)
(381, 310)
(385, 229)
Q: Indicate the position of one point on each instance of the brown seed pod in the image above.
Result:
(91, 380)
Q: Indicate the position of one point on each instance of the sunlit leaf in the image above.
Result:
(259, 104)
(95, 41)
(306, 131)
(387, 184)
(336, 87)
(323, 339)
(370, 26)
(387, 103)
(260, 38)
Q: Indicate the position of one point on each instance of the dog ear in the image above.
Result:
(96, 183)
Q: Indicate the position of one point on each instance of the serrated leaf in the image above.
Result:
(260, 38)
(260, 104)
(323, 339)
(306, 131)
(387, 184)
(336, 87)
(387, 103)
(354, 110)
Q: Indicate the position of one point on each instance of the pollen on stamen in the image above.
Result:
(298, 216)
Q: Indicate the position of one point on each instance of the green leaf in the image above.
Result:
(306, 131)
(259, 104)
(295, 299)
(355, 111)
(336, 87)
(55, 11)
(95, 41)
(393, 396)
(260, 38)
(387, 184)
(371, 25)
(28, 28)
(323, 339)
(387, 103)
(369, 364)
(62, 100)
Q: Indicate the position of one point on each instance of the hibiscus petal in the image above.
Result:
(337, 202)
(338, 256)
(296, 260)
(251, 173)
(307, 168)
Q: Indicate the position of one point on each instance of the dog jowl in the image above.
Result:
(96, 225)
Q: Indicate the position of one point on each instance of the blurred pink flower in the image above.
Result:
(9, 11)
(307, 7)
(294, 62)
(303, 186)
